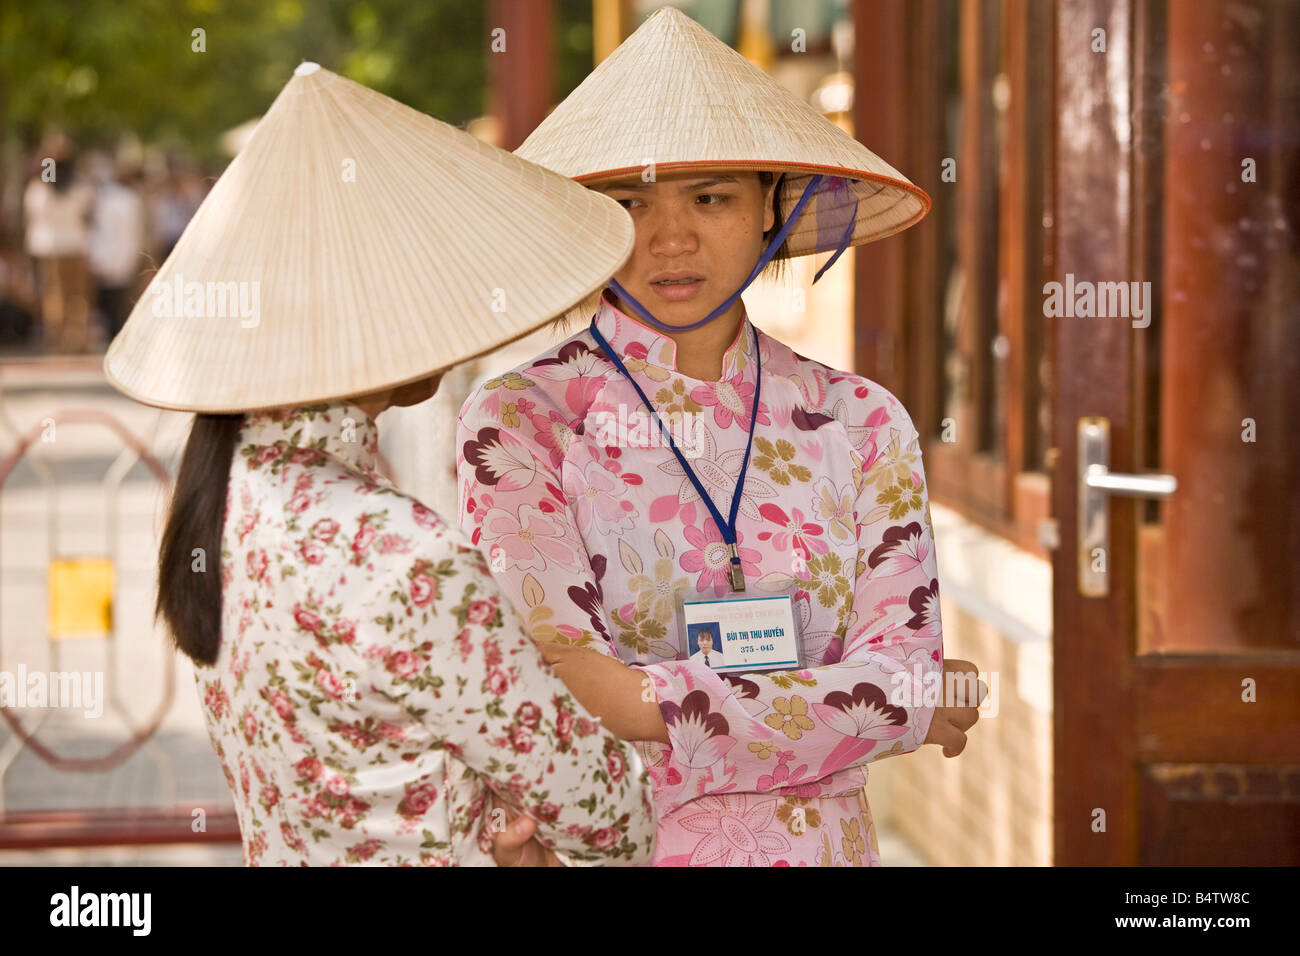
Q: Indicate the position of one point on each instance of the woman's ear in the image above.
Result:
(769, 201)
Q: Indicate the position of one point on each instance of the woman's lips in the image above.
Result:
(678, 290)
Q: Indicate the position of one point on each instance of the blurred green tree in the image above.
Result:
(98, 68)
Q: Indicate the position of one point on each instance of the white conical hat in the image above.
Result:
(356, 244)
(675, 95)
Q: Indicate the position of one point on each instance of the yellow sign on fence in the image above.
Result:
(81, 598)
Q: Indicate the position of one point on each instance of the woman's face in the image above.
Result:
(699, 233)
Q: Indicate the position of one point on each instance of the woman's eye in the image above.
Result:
(626, 203)
(712, 199)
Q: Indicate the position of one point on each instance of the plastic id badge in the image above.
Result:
(742, 634)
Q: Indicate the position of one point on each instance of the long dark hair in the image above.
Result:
(189, 597)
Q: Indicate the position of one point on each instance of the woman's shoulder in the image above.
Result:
(558, 384)
(545, 377)
(825, 393)
(331, 514)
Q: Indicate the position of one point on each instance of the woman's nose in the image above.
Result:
(671, 233)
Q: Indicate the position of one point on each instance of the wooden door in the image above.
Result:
(1176, 161)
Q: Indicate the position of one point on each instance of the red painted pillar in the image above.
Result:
(520, 74)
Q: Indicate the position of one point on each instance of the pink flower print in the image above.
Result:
(280, 701)
(312, 551)
(781, 776)
(574, 360)
(712, 559)
(331, 684)
(601, 499)
(701, 737)
(735, 834)
(307, 620)
(554, 432)
(417, 800)
(499, 460)
(362, 540)
(604, 839)
(529, 715)
(615, 766)
(529, 538)
(901, 549)
(480, 612)
(256, 563)
(836, 508)
(426, 519)
(404, 664)
(924, 602)
(266, 453)
(325, 529)
(731, 400)
(393, 544)
(907, 666)
(521, 738)
(804, 536)
(864, 718)
(867, 708)
(423, 590)
(363, 851)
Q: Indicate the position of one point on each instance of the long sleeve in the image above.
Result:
(514, 507)
(475, 679)
(793, 729)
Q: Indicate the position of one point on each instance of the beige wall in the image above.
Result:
(991, 806)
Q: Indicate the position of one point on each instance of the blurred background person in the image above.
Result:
(17, 299)
(117, 238)
(57, 207)
(177, 202)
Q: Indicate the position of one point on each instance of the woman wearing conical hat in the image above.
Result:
(365, 684)
(670, 472)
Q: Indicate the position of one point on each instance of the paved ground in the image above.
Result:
(75, 479)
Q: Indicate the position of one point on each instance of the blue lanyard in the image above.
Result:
(726, 528)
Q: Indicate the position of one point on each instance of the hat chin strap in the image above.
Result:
(837, 184)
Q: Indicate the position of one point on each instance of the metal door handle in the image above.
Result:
(1096, 484)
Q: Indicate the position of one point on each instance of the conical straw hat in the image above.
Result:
(356, 244)
(675, 95)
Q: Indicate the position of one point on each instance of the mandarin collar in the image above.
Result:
(633, 339)
(339, 429)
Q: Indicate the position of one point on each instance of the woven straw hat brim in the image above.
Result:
(675, 96)
(366, 246)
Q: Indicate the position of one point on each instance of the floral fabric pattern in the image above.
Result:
(374, 687)
(594, 531)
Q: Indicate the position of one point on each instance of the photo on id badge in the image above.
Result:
(742, 634)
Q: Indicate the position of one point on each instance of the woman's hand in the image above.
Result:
(958, 714)
(621, 696)
(516, 845)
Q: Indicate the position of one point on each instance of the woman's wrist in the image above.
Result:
(650, 721)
